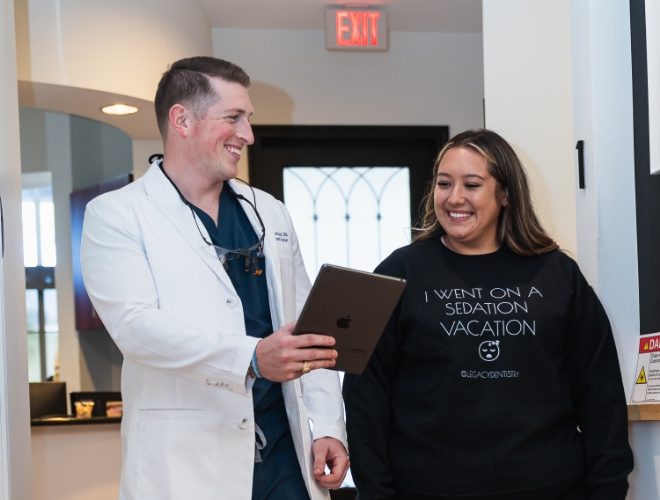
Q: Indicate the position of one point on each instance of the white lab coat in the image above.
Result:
(188, 430)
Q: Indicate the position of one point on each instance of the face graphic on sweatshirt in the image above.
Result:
(489, 350)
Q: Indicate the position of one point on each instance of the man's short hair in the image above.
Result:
(187, 82)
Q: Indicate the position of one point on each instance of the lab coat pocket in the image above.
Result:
(175, 414)
(287, 277)
(285, 251)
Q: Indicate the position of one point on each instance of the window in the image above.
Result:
(40, 258)
(348, 216)
(39, 227)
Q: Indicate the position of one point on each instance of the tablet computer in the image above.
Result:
(354, 308)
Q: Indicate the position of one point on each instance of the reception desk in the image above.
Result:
(75, 459)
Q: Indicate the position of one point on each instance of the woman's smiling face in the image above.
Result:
(467, 202)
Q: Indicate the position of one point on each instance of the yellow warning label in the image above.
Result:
(646, 346)
(642, 377)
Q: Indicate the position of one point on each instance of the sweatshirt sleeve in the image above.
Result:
(368, 400)
(597, 393)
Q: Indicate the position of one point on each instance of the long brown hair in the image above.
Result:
(518, 225)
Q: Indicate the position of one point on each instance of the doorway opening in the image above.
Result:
(353, 192)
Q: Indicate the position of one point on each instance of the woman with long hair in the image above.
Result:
(497, 377)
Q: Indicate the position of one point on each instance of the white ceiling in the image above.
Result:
(404, 15)
(88, 103)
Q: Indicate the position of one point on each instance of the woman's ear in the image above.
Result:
(505, 200)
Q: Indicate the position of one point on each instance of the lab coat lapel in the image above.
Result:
(270, 249)
(163, 195)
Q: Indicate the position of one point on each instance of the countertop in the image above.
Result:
(69, 420)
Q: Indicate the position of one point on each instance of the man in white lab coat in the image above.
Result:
(191, 272)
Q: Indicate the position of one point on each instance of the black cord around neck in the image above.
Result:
(160, 157)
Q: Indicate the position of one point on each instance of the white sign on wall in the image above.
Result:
(653, 64)
(355, 29)
(647, 376)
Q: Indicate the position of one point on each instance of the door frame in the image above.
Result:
(292, 139)
(4, 385)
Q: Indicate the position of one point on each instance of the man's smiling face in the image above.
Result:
(219, 137)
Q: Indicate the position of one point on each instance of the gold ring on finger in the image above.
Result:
(307, 367)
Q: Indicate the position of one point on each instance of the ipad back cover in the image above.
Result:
(354, 308)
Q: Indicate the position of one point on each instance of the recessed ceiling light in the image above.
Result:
(119, 109)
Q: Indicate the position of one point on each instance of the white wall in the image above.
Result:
(14, 410)
(606, 208)
(58, 162)
(537, 56)
(423, 79)
(99, 152)
(122, 46)
(607, 237)
(527, 83)
(142, 150)
(76, 462)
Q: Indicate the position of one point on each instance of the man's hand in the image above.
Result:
(330, 451)
(280, 356)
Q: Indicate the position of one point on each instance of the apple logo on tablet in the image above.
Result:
(344, 322)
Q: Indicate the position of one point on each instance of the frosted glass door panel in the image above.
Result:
(348, 216)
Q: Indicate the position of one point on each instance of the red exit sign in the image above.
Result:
(351, 29)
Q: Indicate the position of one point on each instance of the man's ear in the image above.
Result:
(180, 120)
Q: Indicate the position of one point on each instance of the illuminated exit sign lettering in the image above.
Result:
(350, 29)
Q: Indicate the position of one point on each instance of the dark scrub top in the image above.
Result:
(278, 476)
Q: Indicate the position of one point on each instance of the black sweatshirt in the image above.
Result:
(476, 390)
